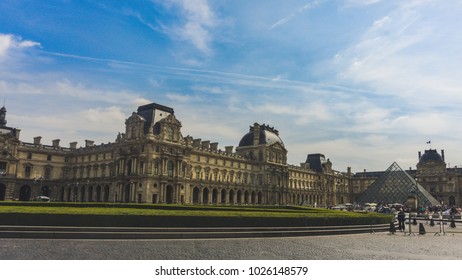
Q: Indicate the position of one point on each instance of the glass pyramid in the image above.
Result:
(395, 186)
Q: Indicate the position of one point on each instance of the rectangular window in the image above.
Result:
(27, 171)
(2, 165)
(48, 157)
(156, 168)
(47, 173)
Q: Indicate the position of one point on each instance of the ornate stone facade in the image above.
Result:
(153, 163)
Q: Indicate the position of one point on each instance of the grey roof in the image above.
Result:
(147, 111)
(316, 161)
(395, 186)
(431, 155)
(266, 137)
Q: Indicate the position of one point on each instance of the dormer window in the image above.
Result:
(170, 133)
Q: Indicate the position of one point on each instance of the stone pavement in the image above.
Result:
(366, 246)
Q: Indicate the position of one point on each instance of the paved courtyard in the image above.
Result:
(378, 246)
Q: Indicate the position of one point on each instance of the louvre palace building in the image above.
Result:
(152, 162)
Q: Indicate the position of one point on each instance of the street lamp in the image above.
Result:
(412, 203)
(40, 179)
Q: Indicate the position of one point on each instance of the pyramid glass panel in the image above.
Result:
(395, 186)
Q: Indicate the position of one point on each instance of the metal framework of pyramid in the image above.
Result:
(395, 186)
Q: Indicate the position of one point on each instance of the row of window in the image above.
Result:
(223, 162)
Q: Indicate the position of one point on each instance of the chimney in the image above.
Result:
(206, 145)
(196, 143)
(56, 143)
(229, 149)
(17, 132)
(442, 155)
(73, 145)
(214, 146)
(37, 140)
(256, 134)
(89, 143)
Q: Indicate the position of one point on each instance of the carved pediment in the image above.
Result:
(135, 118)
(170, 129)
(277, 146)
(171, 120)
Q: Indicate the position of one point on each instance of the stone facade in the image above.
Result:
(151, 162)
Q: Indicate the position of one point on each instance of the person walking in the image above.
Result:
(401, 219)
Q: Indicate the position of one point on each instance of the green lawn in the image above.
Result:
(172, 210)
(30, 213)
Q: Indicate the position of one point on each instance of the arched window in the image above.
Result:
(170, 133)
(2, 191)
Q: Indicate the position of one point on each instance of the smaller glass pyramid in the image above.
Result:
(395, 186)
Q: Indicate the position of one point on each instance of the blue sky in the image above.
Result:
(365, 82)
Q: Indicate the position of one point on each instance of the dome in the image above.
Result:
(431, 155)
(267, 136)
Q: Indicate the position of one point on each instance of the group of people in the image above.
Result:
(401, 216)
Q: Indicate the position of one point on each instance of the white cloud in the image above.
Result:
(291, 16)
(9, 42)
(409, 53)
(5, 44)
(175, 97)
(103, 119)
(198, 23)
(362, 2)
(99, 124)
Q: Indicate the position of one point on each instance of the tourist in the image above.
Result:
(401, 219)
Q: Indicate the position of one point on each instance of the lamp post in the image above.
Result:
(413, 202)
(40, 179)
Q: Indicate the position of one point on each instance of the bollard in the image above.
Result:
(421, 229)
(392, 228)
